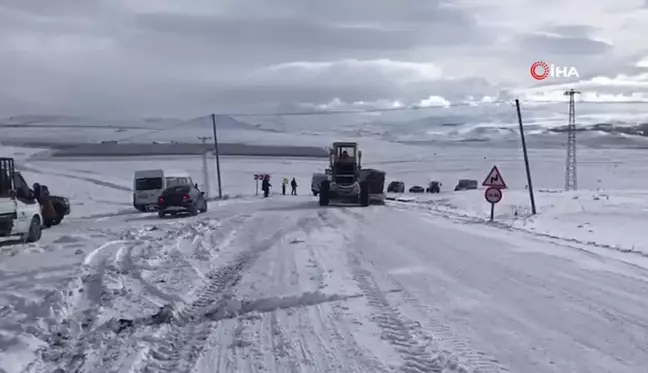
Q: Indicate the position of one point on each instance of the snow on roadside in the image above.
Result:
(614, 218)
(58, 300)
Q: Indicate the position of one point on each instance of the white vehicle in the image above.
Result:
(149, 184)
(316, 181)
(19, 211)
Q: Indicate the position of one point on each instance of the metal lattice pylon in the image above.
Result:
(570, 167)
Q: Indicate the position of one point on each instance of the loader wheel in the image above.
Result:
(364, 194)
(35, 231)
(325, 193)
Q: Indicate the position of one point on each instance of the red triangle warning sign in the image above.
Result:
(494, 179)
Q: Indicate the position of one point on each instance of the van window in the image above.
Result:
(173, 181)
(148, 183)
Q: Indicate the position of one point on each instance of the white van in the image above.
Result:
(149, 184)
(316, 181)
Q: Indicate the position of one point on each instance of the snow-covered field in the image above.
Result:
(282, 285)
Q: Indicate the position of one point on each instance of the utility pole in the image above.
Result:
(526, 159)
(570, 167)
(218, 173)
(204, 167)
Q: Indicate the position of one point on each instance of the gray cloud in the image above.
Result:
(165, 57)
(578, 31)
(564, 45)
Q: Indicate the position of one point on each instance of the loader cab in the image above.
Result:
(345, 162)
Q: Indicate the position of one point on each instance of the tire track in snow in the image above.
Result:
(357, 357)
(183, 342)
(67, 351)
(401, 332)
(478, 361)
(419, 349)
(281, 346)
(112, 261)
(125, 350)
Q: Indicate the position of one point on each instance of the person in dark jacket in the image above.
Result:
(293, 185)
(265, 186)
(37, 191)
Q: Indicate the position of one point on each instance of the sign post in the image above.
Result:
(260, 177)
(493, 193)
(493, 196)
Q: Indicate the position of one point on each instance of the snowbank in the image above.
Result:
(614, 218)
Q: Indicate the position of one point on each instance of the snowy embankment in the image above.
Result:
(612, 219)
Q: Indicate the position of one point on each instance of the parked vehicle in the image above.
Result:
(316, 182)
(375, 179)
(181, 199)
(20, 213)
(416, 189)
(433, 187)
(466, 184)
(149, 184)
(396, 187)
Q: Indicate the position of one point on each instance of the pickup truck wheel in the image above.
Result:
(35, 231)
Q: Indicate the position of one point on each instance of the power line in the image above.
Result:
(156, 130)
(367, 111)
(363, 111)
(312, 113)
(590, 102)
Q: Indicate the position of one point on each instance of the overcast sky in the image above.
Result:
(192, 57)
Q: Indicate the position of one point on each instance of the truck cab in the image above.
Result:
(19, 210)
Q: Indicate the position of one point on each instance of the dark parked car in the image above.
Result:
(416, 189)
(434, 187)
(396, 187)
(465, 184)
(181, 199)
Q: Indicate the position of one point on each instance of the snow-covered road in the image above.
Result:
(282, 285)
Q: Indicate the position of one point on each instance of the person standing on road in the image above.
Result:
(283, 185)
(265, 186)
(293, 184)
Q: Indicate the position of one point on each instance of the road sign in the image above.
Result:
(494, 179)
(493, 195)
(260, 177)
